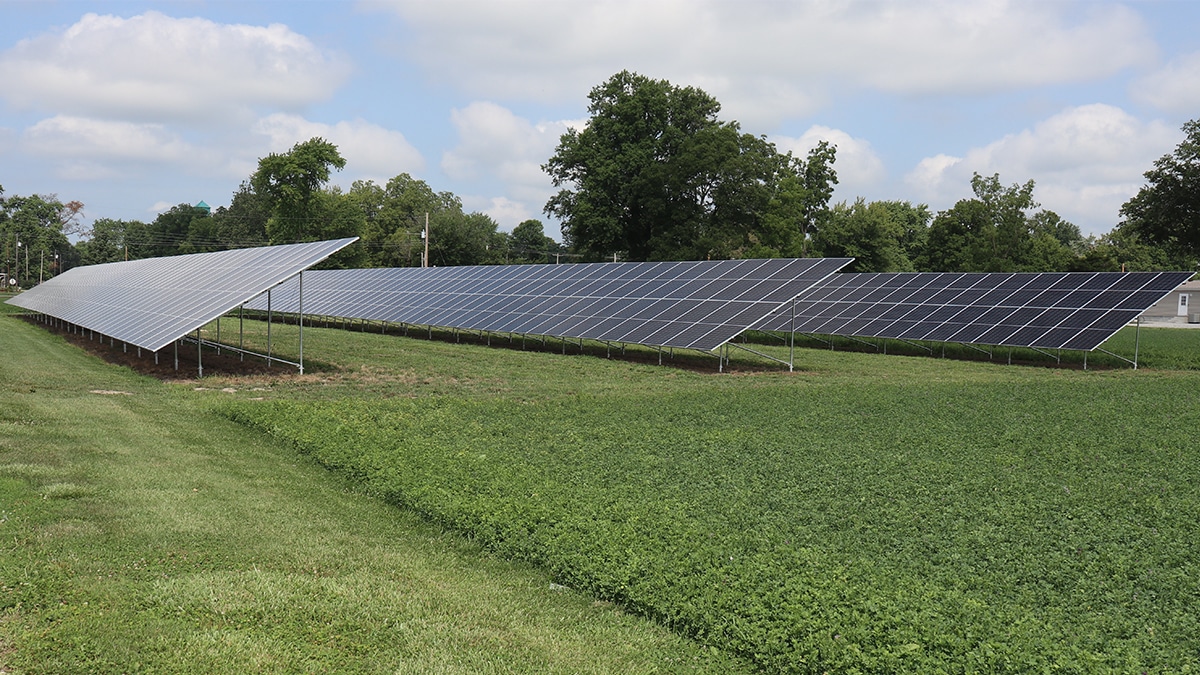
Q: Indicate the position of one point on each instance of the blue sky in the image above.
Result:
(132, 107)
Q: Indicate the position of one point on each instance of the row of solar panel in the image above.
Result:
(696, 305)
(1077, 311)
(153, 302)
(691, 305)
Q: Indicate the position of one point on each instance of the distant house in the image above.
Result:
(1181, 305)
(204, 207)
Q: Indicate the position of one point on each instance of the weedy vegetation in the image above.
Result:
(866, 513)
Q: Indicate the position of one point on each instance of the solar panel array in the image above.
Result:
(1077, 311)
(692, 305)
(151, 303)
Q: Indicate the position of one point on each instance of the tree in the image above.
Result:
(337, 216)
(395, 217)
(993, 232)
(874, 234)
(528, 243)
(292, 181)
(1125, 249)
(800, 202)
(463, 240)
(108, 240)
(1166, 211)
(181, 229)
(31, 229)
(244, 221)
(655, 175)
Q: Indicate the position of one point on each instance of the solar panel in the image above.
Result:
(686, 304)
(151, 303)
(1060, 310)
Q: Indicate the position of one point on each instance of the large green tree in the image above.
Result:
(655, 175)
(244, 221)
(395, 218)
(292, 181)
(1166, 211)
(470, 239)
(997, 231)
(109, 241)
(799, 204)
(878, 235)
(528, 243)
(32, 234)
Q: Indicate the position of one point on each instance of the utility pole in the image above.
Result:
(17, 255)
(425, 236)
(41, 265)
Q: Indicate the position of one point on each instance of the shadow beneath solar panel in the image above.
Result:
(683, 359)
(1017, 356)
(214, 363)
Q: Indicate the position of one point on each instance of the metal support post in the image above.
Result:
(1137, 340)
(199, 355)
(792, 341)
(268, 329)
(300, 320)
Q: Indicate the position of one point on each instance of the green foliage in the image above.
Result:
(395, 218)
(876, 234)
(947, 518)
(993, 232)
(292, 181)
(656, 176)
(109, 241)
(139, 533)
(36, 222)
(528, 243)
(455, 239)
(800, 200)
(244, 221)
(394, 226)
(1166, 211)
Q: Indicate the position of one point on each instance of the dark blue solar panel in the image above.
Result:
(1051, 310)
(151, 303)
(627, 302)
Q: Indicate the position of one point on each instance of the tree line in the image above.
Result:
(654, 175)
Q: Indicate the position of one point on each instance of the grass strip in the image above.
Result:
(139, 533)
(935, 517)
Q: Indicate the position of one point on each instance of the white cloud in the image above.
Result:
(369, 150)
(858, 168)
(767, 60)
(1085, 161)
(507, 213)
(1174, 88)
(152, 67)
(495, 144)
(930, 174)
(80, 137)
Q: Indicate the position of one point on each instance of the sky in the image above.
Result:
(132, 107)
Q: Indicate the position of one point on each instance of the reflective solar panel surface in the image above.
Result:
(1063, 310)
(692, 305)
(151, 303)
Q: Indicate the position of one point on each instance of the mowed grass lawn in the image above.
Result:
(867, 513)
(141, 533)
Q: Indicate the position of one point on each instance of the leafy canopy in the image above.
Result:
(655, 176)
(1166, 211)
(291, 181)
